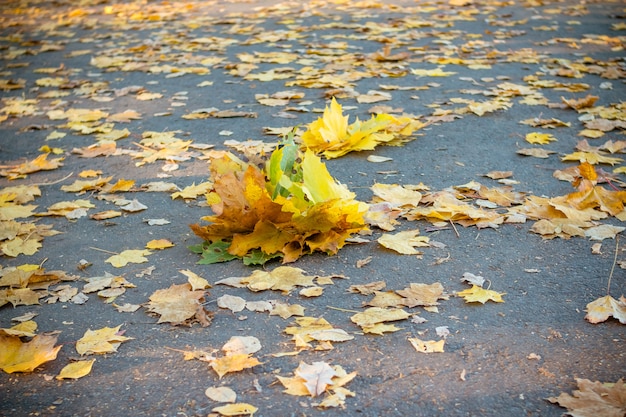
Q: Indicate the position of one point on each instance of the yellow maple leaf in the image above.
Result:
(17, 356)
(193, 191)
(159, 244)
(104, 340)
(282, 278)
(18, 246)
(597, 157)
(427, 346)
(237, 409)
(233, 363)
(135, 256)
(437, 72)
(76, 369)
(40, 163)
(539, 138)
(332, 136)
(404, 242)
(477, 294)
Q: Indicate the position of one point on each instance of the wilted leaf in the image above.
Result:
(374, 315)
(593, 399)
(604, 307)
(404, 242)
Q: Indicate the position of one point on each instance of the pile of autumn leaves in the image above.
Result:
(292, 206)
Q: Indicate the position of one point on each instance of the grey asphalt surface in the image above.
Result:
(500, 359)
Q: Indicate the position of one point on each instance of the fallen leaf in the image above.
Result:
(404, 242)
(104, 340)
(427, 346)
(477, 294)
(604, 307)
(176, 304)
(316, 376)
(136, 256)
(233, 363)
(17, 356)
(76, 370)
(221, 394)
(593, 399)
(237, 409)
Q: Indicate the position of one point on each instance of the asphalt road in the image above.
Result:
(172, 67)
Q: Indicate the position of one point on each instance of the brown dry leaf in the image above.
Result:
(422, 294)
(17, 356)
(594, 399)
(582, 103)
(604, 307)
(367, 289)
(19, 296)
(536, 152)
(375, 315)
(233, 363)
(177, 304)
(104, 340)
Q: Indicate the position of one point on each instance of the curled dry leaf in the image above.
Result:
(427, 346)
(593, 399)
(604, 307)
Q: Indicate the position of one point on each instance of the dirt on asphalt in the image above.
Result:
(499, 358)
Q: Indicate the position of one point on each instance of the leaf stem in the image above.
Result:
(343, 309)
(104, 250)
(608, 285)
